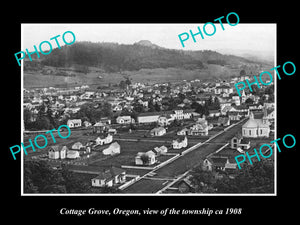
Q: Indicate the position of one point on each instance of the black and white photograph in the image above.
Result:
(149, 109)
(139, 112)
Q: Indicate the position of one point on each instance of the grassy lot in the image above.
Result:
(128, 153)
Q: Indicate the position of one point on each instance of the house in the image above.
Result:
(186, 186)
(223, 121)
(124, 120)
(100, 127)
(110, 178)
(113, 149)
(223, 89)
(149, 117)
(117, 108)
(214, 113)
(180, 143)
(182, 114)
(269, 113)
(72, 154)
(200, 128)
(77, 145)
(158, 131)
(57, 152)
(105, 120)
(104, 139)
(87, 124)
(236, 100)
(165, 120)
(160, 150)
(219, 163)
(238, 142)
(74, 123)
(256, 127)
(234, 115)
(145, 158)
(183, 131)
(112, 131)
(226, 109)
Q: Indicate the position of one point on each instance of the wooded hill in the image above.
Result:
(113, 57)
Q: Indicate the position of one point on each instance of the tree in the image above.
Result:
(157, 107)
(209, 102)
(151, 106)
(127, 81)
(42, 123)
(242, 73)
(249, 101)
(256, 178)
(216, 103)
(195, 105)
(145, 159)
(122, 84)
(181, 97)
(203, 180)
(137, 107)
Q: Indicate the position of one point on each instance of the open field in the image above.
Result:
(128, 153)
(156, 75)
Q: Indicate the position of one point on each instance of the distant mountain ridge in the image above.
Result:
(114, 57)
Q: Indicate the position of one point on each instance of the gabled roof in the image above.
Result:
(255, 123)
(57, 148)
(218, 161)
(110, 173)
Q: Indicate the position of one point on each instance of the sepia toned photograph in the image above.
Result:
(125, 109)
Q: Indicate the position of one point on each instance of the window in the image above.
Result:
(250, 132)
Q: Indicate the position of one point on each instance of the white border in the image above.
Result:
(125, 194)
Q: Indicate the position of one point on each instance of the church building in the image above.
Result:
(256, 127)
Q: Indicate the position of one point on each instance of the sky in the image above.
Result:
(242, 37)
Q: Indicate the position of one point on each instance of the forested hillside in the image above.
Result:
(113, 57)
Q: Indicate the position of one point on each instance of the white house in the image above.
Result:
(180, 143)
(145, 158)
(218, 163)
(160, 150)
(124, 120)
(87, 124)
(223, 89)
(57, 152)
(182, 114)
(238, 142)
(74, 123)
(165, 120)
(200, 128)
(236, 100)
(110, 177)
(158, 131)
(77, 145)
(104, 139)
(150, 117)
(72, 154)
(113, 149)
